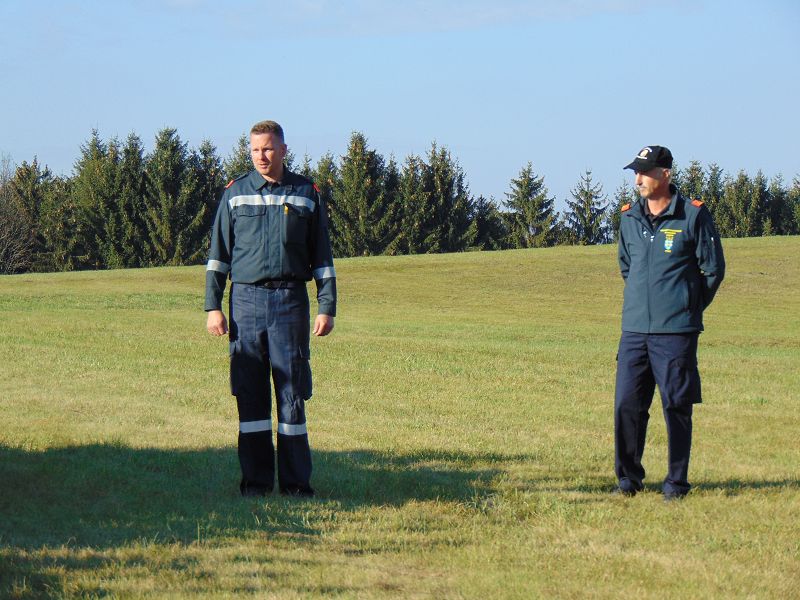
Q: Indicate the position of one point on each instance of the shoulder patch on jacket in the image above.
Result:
(697, 202)
(231, 182)
(625, 207)
(316, 187)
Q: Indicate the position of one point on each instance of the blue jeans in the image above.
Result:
(644, 360)
(269, 335)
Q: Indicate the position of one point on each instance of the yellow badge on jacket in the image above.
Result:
(670, 235)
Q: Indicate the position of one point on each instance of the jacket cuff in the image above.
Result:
(327, 309)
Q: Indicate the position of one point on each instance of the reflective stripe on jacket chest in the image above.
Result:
(271, 200)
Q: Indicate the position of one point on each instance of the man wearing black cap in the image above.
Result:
(672, 263)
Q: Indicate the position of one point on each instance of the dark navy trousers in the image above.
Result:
(269, 333)
(644, 360)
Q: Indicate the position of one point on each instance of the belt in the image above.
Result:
(277, 284)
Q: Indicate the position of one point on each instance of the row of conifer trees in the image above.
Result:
(125, 207)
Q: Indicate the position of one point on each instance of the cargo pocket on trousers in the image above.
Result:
(235, 367)
(683, 382)
(301, 374)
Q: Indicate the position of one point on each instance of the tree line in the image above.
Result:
(123, 207)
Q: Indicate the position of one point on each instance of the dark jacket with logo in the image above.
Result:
(271, 231)
(672, 268)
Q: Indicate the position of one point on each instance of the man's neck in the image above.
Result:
(659, 204)
(277, 179)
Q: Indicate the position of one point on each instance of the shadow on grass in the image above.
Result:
(70, 509)
(730, 487)
(104, 495)
(733, 487)
(597, 488)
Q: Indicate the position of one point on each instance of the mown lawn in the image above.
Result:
(461, 429)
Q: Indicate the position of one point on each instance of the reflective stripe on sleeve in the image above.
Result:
(216, 265)
(271, 200)
(324, 273)
(286, 429)
(255, 426)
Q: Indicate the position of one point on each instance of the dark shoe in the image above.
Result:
(253, 491)
(626, 487)
(295, 492)
(674, 496)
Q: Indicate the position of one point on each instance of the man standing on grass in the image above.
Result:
(671, 260)
(270, 236)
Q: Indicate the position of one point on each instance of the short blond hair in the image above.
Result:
(267, 127)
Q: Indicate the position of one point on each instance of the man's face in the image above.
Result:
(653, 183)
(267, 151)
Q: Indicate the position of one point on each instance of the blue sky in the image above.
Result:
(569, 85)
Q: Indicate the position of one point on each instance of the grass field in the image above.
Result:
(461, 431)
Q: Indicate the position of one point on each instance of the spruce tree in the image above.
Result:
(624, 195)
(793, 200)
(326, 178)
(735, 214)
(16, 229)
(132, 185)
(306, 169)
(238, 161)
(25, 194)
(360, 201)
(175, 212)
(208, 172)
(38, 220)
(16, 243)
(413, 203)
(96, 196)
(743, 205)
(676, 175)
(713, 190)
(562, 231)
(693, 183)
(289, 160)
(391, 221)
(760, 210)
(780, 220)
(492, 232)
(449, 227)
(531, 211)
(58, 221)
(586, 215)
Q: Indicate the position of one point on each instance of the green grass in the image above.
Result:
(461, 430)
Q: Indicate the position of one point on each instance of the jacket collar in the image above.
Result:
(639, 210)
(258, 182)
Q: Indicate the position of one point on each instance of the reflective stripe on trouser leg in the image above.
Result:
(287, 342)
(250, 385)
(294, 455)
(674, 361)
(633, 396)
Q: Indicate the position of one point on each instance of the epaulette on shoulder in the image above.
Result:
(697, 202)
(316, 188)
(231, 182)
(625, 207)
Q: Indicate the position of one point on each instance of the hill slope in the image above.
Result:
(461, 430)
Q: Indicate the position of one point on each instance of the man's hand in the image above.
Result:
(323, 325)
(216, 323)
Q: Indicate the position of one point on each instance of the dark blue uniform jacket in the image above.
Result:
(265, 231)
(672, 270)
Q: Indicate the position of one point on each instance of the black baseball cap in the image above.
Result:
(651, 157)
